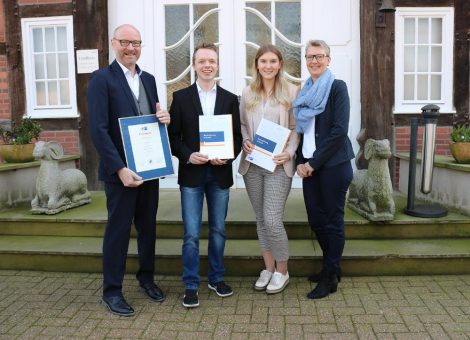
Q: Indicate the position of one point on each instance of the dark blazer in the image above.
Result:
(331, 131)
(109, 98)
(184, 134)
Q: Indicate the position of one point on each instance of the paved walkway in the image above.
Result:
(44, 305)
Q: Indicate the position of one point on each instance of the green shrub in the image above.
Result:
(22, 133)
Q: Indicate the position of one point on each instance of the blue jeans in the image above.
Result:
(191, 206)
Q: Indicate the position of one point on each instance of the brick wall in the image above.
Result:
(402, 139)
(402, 144)
(69, 140)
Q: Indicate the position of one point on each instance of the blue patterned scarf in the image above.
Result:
(312, 99)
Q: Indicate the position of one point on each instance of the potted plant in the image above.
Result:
(460, 146)
(17, 147)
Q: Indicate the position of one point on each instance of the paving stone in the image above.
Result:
(293, 331)
(392, 315)
(389, 327)
(244, 307)
(368, 319)
(239, 336)
(436, 331)
(321, 328)
(223, 331)
(58, 331)
(284, 311)
(153, 331)
(344, 324)
(207, 323)
(181, 326)
(352, 300)
(259, 315)
(414, 336)
(413, 323)
(194, 335)
(32, 332)
(87, 328)
(276, 324)
(348, 311)
(325, 315)
(301, 320)
(339, 336)
(40, 305)
(232, 319)
(365, 331)
(249, 327)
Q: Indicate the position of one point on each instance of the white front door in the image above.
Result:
(172, 28)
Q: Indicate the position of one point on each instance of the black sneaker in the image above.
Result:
(190, 298)
(220, 288)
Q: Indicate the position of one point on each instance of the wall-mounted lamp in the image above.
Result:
(384, 6)
(387, 7)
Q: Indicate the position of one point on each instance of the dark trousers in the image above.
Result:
(324, 197)
(127, 205)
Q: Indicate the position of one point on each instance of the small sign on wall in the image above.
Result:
(87, 61)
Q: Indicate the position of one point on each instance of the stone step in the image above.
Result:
(242, 257)
(434, 228)
(90, 220)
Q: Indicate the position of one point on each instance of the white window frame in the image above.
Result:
(447, 16)
(52, 111)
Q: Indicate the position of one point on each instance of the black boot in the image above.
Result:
(315, 277)
(328, 284)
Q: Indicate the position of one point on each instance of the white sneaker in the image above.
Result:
(278, 283)
(263, 280)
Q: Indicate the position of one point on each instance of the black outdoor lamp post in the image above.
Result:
(430, 114)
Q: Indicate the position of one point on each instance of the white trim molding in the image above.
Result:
(430, 79)
(50, 67)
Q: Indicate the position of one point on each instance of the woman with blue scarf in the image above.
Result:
(324, 160)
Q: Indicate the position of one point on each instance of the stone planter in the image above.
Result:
(17, 153)
(461, 152)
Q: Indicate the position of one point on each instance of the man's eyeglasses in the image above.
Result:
(318, 57)
(125, 43)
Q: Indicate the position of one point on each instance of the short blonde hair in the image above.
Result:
(318, 43)
(208, 46)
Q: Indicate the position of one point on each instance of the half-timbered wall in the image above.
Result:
(377, 77)
(90, 31)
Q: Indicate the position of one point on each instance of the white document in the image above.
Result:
(216, 136)
(147, 147)
(269, 140)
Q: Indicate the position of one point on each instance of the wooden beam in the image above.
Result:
(14, 59)
(461, 62)
(377, 74)
(91, 32)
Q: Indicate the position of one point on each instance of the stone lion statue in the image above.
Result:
(371, 192)
(56, 189)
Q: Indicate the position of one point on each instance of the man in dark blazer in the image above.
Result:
(123, 90)
(199, 176)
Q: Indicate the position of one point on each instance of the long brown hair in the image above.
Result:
(280, 93)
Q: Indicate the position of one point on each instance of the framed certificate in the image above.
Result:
(216, 136)
(270, 139)
(146, 146)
